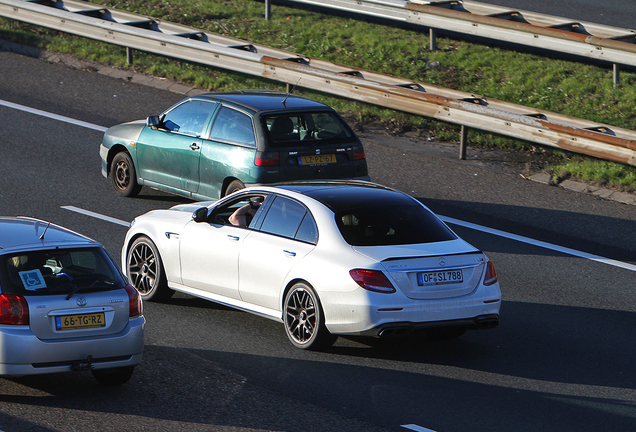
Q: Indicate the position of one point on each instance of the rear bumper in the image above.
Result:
(365, 313)
(481, 322)
(22, 353)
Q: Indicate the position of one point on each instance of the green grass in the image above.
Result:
(570, 88)
(601, 173)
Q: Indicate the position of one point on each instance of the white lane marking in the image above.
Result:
(538, 243)
(52, 116)
(97, 216)
(417, 428)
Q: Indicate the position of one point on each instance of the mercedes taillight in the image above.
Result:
(491, 274)
(372, 280)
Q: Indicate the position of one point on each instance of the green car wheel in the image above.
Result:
(123, 175)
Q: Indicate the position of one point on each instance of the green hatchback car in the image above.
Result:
(210, 145)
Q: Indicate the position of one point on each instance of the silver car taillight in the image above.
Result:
(135, 304)
(14, 310)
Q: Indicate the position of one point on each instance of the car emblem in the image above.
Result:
(442, 262)
(81, 301)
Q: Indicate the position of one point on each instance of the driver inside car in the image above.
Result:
(242, 214)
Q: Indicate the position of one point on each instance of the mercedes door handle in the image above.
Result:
(233, 237)
(194, 146)
(289, 253)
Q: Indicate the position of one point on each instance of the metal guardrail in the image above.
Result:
(595, 41)
(180, 42)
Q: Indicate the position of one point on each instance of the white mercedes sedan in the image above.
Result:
(325, 259)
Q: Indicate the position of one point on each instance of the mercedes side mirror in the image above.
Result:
(200, 215)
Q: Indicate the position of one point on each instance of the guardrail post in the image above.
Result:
(462, 143)
(433, 37)
(617, 74)
(129, 55)
(268, 9)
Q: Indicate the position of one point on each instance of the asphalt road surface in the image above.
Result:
(563, 358)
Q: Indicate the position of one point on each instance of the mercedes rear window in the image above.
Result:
(391, 225)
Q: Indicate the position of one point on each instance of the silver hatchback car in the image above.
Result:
(65, 305)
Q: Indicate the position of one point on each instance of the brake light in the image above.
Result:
(491, 274)
(135, 304)
(372, 280)
(14, 310)
(265, 159)
(358, 153)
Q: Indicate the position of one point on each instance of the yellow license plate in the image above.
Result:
(317, 159)
(74, 322)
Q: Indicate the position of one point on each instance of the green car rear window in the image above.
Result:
(306, 129)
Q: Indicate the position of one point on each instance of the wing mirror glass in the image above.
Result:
(200, 215)
(153, 121)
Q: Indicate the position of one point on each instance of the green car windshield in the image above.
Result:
(312, 128)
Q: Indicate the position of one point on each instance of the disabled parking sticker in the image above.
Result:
(32, 279)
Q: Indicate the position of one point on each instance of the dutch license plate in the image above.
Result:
(74, 322)
(440, 277)
(317, 159)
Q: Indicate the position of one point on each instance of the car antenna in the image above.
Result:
(45, 229)
(290, 90)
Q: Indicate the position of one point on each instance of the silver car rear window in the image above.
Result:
(59, 271)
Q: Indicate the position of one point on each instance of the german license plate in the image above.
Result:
(317, 159)
(74, 322)
(440, 277)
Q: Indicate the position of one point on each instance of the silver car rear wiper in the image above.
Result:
(75, 287)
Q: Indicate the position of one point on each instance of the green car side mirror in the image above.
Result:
(153, 121)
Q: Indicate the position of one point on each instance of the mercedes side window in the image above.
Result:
(308, 231)
(233, 126)
(238, 212)
(284, 217)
